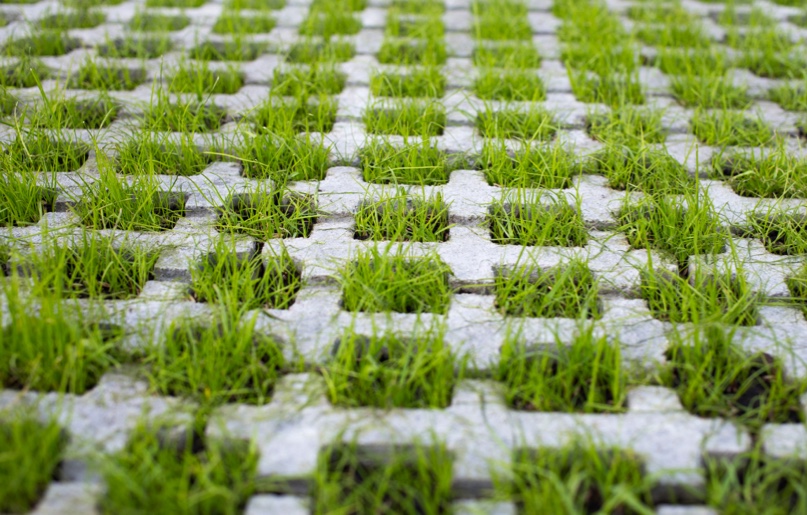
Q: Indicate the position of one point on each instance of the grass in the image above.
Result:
(643, 168)
(564, 291)
(707, 296)
(425, 83)
(151, 22)
(791, 98)
(708, 92)
(194, 475)
(311, 52)
(692, 62)
(41, 43)
(627, 126)
(417, 163)
(130, 47)
(175, 3)
(254, 5)
(772, 175)
(93, 267)
(150, 154)
(234, 50)
(388, 371)
(52, 349)
(405, 52)
(775, 66)
(265, 214)
(382, 279)
(300, 82)
(202, 80)
(579, 478)
(688, 36)
(500, 27)
(92, 75)
(182, 116)
(23, 199)
(548, 166)
(27, 72)
(529, 124)
(295, 116)
(525, 219)
(613, 90)
(78, 19)
(245, 281)
(715, 378)
(730, 128)
(680, 227)
(283, 159)
(31, 454)
(512, 85)
(214, 362)
(418, 28)
(36, 151)
(507, 55)
(400, 217)
(234, 23)
(405, 118)
(584, 376)
(328, 23)
(365, 480)
(137, 203)
(782, 233)
(754, 483)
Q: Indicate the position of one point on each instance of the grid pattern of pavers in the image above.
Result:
(477, 427)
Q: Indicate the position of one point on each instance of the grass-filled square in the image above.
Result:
(382, 279)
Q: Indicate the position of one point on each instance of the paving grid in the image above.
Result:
(477, 427)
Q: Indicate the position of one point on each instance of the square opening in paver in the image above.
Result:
(37, 151)
(730, 128)
(405, 118)
(776, 174)
(568, 290)
(130, 47)
(236, 50)
(247, 281)
(421, 164)
(389, 371)
(26, 73)
(203, 80)
(300, 82)
(383, 479)
(679, 228)
(234, 23)
(381, 280)
(580, 478)
(405, 52)
(152, 22)
(55, 348)
(422, 82)
(283, 159)
(93, 267)
(530, 124)
(72, 19)
(41, 43)
(311, 52)
(214, 362)
(584, 376)
(627, 126)
(131, 204)
(299, 115)
(782, 233)
(534, 221)
(643, 168)
(509, 85)
(507, 55)
(328, 23)
(716, 377)
(24, 199)
(267, 214)
(542, 166)
(402, 217)
(152, 154)
(704, 296)
(183, 116)
(92, 75)
(161, 467)
(32, 453)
